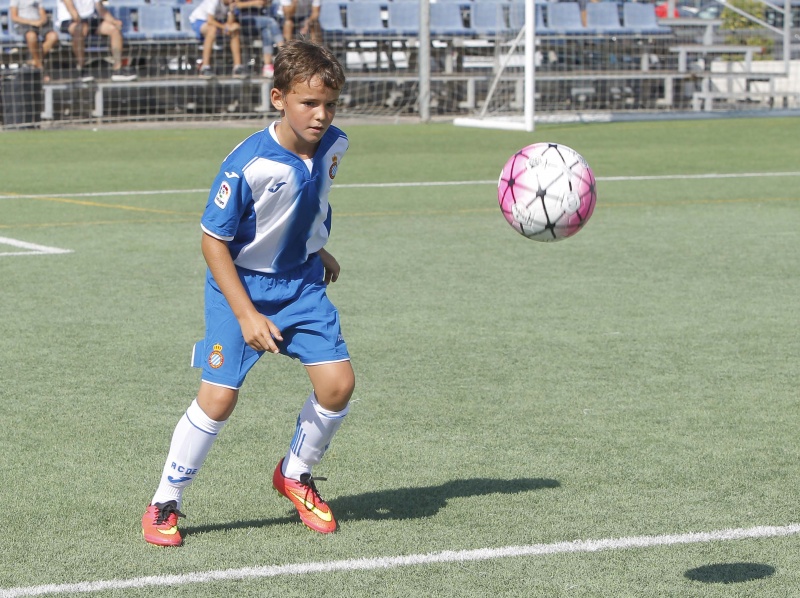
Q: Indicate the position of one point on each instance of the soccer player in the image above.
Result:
(264, 229)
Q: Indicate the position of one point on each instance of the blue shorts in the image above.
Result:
(297, 303)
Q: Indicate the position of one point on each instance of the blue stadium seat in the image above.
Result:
(157, 22)
(364, 18)
(330, 18)
(404, 17)
(446, 19)
(565, 18)
(489, 18)
(516, 18)
(641, 19)
(603, 18)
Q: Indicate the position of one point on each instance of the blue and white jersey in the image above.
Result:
(269, 206)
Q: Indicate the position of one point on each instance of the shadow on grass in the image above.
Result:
(729, 572)
(398, 504)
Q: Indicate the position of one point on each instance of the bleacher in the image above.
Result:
(622, 57)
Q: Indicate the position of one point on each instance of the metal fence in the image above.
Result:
(460, 55)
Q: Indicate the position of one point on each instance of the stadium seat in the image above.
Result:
(516, 18)
(603, 17)
(641, 19)
(364, 18)
(157, 22)
(124, 12)
(488, 18)
(404, 17)
(446, 19)
(565, 18)
(330, 18)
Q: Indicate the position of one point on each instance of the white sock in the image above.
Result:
(191, 441)
(316, 427)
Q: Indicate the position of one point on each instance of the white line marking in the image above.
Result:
(370, 564)
(32, 248)
(655, 177)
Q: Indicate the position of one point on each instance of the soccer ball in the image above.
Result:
(547, 191)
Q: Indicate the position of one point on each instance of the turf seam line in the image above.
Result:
(375, 563)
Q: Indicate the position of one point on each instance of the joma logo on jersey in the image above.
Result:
(276, 187)
(223, 195)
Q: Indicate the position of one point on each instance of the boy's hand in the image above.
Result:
(260, 333)
(331, 266)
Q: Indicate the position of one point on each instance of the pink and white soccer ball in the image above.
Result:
(547, 191)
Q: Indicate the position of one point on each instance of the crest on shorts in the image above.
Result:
(334, 167)
(216, 359)
(223, 195)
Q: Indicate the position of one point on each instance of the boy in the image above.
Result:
(32, 23)
(264, 228)
(210, 18)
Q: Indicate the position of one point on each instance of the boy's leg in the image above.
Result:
(319, 420)
(191, 442)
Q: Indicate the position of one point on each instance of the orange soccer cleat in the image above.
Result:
(160, 524)
(313, 511)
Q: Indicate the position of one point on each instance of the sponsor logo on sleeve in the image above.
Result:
(223, 195)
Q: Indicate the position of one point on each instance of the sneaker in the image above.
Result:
(124, 74)
(160, 524)
(313, 511)
(267, 71)
(206, 72)
(239, 71)
(82, 76)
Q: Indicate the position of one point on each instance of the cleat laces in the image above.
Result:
(166, 509)
(308, 481)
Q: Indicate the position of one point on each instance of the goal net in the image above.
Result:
(510, 99)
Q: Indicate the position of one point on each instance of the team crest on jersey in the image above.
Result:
(215, 360)
(223, 195)
(334, 167)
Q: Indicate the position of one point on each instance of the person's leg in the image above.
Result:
(50, 41)
(79, 30)
(114, 36)
(192, 439)
(32, 40)
(236, 44)
(209, 33)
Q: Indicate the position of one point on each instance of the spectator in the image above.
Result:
(81, 18)
(208, 20)
(33, 24)
(255, 18)
(301, 17)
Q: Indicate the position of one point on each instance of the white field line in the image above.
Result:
(370, 564)
(30, 248)
(659, 177)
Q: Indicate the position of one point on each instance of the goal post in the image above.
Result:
(513, 122)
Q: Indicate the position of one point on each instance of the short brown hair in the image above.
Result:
(300, 61)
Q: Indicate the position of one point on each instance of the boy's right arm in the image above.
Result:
(258, 331)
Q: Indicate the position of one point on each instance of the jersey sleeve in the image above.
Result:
(227, 201)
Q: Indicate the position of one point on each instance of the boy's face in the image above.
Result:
(307, 112)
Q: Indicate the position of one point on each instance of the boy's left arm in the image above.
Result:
(330, 264)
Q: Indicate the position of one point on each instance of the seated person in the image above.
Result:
(208, 20)
(301, 17)
(255, 18)
(33, 24)
(81, 18)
